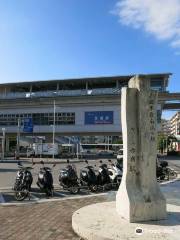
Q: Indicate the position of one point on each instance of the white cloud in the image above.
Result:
(161, 18)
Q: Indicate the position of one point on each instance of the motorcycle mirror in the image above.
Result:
(95, 165)
(42, 162)
(33, 163)
(67, 160)
(109, 160)
(100, 161)
(86, 161)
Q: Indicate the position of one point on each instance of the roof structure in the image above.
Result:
(90, 79)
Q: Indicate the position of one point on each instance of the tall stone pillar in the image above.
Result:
(139, 197)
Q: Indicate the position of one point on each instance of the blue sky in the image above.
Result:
(49, 39)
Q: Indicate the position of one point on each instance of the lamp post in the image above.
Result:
(54, 123)
(18, 140)
(77, 151)
(3, 142)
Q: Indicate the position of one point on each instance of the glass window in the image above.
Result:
(62, 118)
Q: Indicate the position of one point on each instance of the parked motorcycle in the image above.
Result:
(103, 178)
(115, 174)
(23, 181)
(45, 180)
(88, 178)
(162, 170)
(68, 178)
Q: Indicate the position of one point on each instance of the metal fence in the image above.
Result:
(98, 91)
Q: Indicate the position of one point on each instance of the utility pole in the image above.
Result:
(18, 139)
(54, 125)
(108, 142)
(3, 142)
(77, 151)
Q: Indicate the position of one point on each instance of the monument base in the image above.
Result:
(101, 222)
(137, 208)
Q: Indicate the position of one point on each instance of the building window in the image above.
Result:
(38, 118)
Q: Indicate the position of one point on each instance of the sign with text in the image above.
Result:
(99, 117)
(28, 125)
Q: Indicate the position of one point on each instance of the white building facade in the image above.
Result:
(83, 107)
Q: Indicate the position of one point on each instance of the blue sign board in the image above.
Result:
(28, 125)
(99, 117)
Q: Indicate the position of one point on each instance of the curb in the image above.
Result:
(33, 186)
(51, 200)
(170, 181)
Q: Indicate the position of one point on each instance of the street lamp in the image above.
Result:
(54, 125)
(3, 142)
(18, 139)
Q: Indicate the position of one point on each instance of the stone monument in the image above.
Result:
(139, 197)
(139, 202)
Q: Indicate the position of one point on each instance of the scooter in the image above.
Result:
(103, 178)
(68, 178)
(23, 182)
(162, 170)
(45, 180)
(115, 174)
(88, 178)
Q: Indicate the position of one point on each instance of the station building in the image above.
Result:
(84, 109)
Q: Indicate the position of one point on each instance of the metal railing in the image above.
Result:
(64, 93)
(83, 92)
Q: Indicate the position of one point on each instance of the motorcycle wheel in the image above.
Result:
(175, 174)
(162, 177)
(118, 182)
(93, 188)
(49, 192)
(172, 174)
(74, 189)
(21, 195)
(106, 187)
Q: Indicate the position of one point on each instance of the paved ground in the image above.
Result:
(52, 220)
(7, 196)
(48, 221)
(8, 173)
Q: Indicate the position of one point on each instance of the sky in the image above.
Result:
(56, 39)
